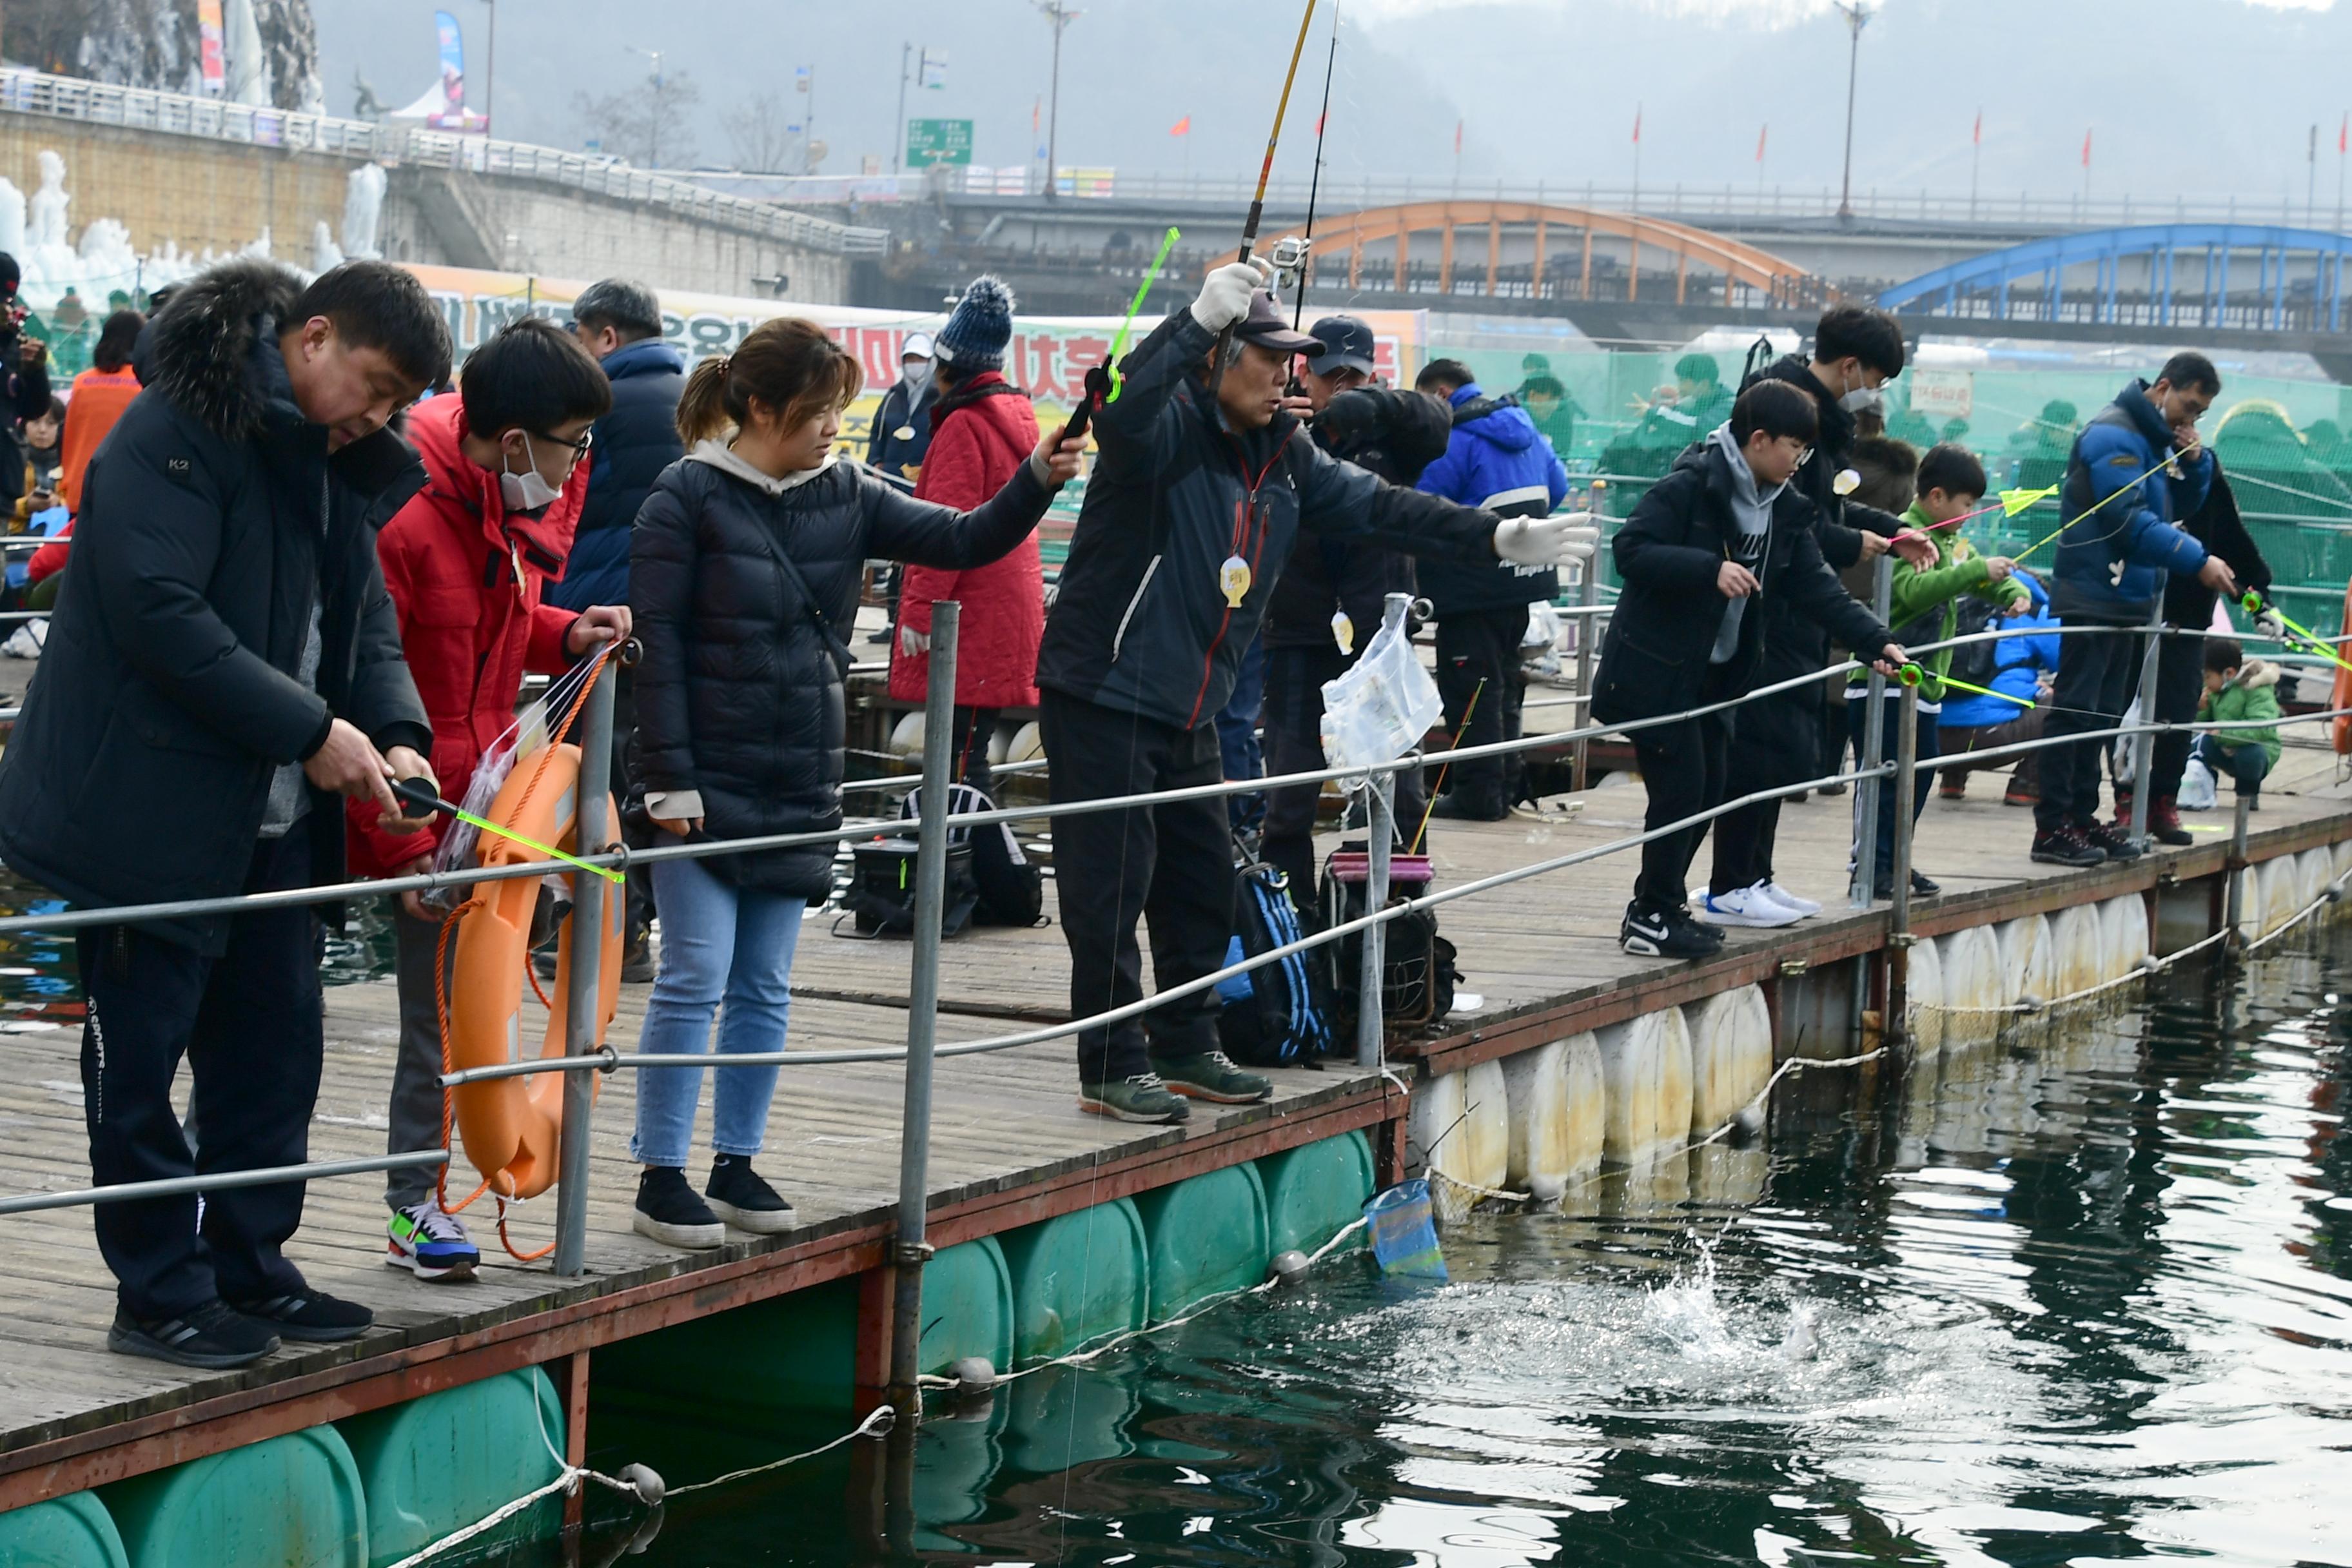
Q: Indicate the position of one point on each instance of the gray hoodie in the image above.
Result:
(1751, 511)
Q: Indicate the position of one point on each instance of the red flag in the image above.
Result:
(1318, 121)
(1181, 128)
(1763, 131)
(2086, 149)
(1977, 136)
(2344, 136)
(1034, 108)
(1458, 138)
(1637, 122)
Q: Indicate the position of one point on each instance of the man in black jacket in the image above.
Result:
(1704, 557)
(225, 659)
(2188, 604)
(1333, 591)
(1193, 506)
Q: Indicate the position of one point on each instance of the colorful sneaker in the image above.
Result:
(430, 1243)
(1211, 1076)
(1806, 909)
(212, 1336)
(2066, 847)
(1140, 1097)
(671, 1211)
(2019, 792)
(1743, 907)
(737, 1194)
(311, 1316)
(2114, 842)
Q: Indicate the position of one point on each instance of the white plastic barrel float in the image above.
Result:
(2074, 937)
(1459, 1126)
(2123, 935)
(906, 735)
(1731, 1055)
(2314, 870)
(1925, 1016)
(2342, 868)
(2029, 964)
(1971, 962)
(2274, 889)
(1645, 1066)
(1554, 1137)
(1026, 745)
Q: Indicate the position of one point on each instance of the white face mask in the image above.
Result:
(915, 374)
(1864, 400)
(528, 491)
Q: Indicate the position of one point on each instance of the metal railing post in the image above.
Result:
(1874, 752)
(1380, 833)
(1588, 597)
(907, 1256)
(2235, 918)
(1898, 938)
(584, 972)
(2144, 743)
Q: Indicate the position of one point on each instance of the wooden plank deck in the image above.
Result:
(1008, 1144)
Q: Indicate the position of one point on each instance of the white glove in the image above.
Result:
(913, 643)
(1547, 540)
(1225, 293)
(2270, 625)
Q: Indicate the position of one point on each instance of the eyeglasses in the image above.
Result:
(579, 448)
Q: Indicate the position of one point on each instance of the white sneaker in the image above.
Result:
(1746, 907)
(1803, 908)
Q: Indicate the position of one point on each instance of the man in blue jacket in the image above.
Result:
(1499, 461)
(2137, 468)
(619, 322)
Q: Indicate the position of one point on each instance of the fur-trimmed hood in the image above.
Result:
(2257, 674)
(199, 350)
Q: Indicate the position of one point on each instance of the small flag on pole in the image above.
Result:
(1976, 137)
(1458, 138)
(1637, 123)
(2344, 136)
(1181, 128)
(2086, 149)
(1763, 131)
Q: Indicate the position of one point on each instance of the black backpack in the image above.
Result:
(1977, 662)
(1011, 892)
(1277, 1014)
(1417, 968)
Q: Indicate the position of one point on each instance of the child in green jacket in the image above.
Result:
(1925, 610)
(2238, 688)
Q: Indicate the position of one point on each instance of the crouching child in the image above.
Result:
(2238, 689)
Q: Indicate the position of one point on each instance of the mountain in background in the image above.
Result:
(2197, 98)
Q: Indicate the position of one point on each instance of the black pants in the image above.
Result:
(971, 732)
(1169, 863)
(1478, 658)
(1743, 846)
(2096, 675)
(2179, 682)
(1294, 745)
(250, 1025)
(1857, 717)
(1684, 767)
(624, 731)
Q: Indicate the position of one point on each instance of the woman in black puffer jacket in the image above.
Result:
(744, 568)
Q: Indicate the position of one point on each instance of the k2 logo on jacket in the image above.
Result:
(176, 465)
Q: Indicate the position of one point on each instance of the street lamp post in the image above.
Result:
(654, 121)
(1855, 14)
(1060, 15)
(491, 67)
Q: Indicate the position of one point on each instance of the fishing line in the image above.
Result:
(1315, 180)
(1257, 202)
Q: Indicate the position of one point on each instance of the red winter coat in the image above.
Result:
(979, 438)
(465, 580)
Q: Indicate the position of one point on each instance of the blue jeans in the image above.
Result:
(2246, 762)
(720, 944)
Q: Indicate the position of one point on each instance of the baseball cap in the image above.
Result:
(919, 346)
(1348, 344)
(1265, 326)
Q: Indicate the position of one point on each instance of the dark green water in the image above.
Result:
(2069, 1302)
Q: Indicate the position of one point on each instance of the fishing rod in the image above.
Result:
(1913, 674)
(1315, 180)
(2255, 605)
(419, 796)
(1257, 202)
(1103, 382)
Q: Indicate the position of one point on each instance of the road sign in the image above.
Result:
(932, 142)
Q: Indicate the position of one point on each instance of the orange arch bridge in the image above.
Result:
(1498, 249)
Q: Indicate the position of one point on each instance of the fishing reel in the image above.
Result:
(1290, 258)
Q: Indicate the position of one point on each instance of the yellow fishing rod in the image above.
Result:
(1913, 674)
(2255, 605)
(418, 795)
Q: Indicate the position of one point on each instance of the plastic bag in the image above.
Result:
(457, 853)
(1385, 703)
(1404, 1234)
(2200, 790)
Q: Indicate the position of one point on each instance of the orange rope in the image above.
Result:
(448, 1092)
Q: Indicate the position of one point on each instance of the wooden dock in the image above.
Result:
(1009, 1147)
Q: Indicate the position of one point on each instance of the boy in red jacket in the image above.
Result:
(466, 560)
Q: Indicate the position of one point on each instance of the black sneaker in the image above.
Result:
(213, 1336)
(2114, 843)
(1669, 934)
(313, 1317)
(2066, 847)
(671, 1211)
(737, 1194)
(1922, 887)
(1453, 808)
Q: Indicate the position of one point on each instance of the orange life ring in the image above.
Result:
(2339, 729)
(513, 1126)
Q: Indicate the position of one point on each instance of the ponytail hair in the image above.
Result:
(788, 365)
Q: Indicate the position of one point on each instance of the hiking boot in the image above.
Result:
(1743, 907)
(2020, 792)
(2124, 806)
(671, 1211)
(739, 1195)
(212, 1336)
(2164, 821)
(1805, 908)
(1454, 807)
(1665, 933)
(1139, 1096)
(1211, 1076)
(2067, 846)
(427, 1240)
(1952, 788)
(2115, 842)
(1922, 887)
(313, 1317)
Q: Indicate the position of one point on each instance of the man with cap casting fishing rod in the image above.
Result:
(1203, 485)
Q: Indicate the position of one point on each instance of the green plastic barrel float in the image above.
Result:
(1313, 1191)
(789, 1352)
(293, 1501)
(73, 1532)
(433, 1466)
(1077, 1279)
(1206, 1236)
(967, 1307)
